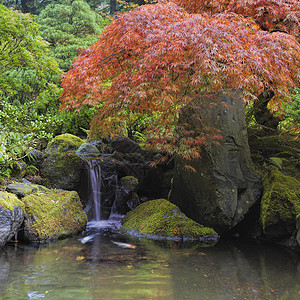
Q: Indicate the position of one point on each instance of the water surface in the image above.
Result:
(99, 269)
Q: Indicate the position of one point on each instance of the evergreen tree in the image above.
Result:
(25, 69)
(69, 25)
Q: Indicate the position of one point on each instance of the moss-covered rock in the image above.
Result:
(62, 171)
(280, 203)
(129, 183)
(63, 143)
(9, 201)
(162, 219)
(11, 216)
(53, 215)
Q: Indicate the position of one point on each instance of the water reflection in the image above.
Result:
(100, 269)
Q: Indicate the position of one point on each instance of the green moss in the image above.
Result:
(164, 219)
(54, 214)
(281, 198)
(129, 182)
(64, 142)
(9, 201)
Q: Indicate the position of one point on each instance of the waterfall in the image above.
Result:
(93, 208)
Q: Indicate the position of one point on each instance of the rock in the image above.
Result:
(11, 216)
(22, 189)
(134, 157)
(127, 195)
(63, 143)
(98, 144)
(125, 145)
(100, 177)
(160, 219)
(62, 171)
(88, 150)
(35, 158)
(280, 205)
(53, 215)
(18, 169)
(224, 186)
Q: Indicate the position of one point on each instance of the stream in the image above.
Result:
(97, 268)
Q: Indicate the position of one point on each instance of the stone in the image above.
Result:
(52, 215)
(280, 204)
(125, 145)
(18, 169)
(11, 216)
(62, 171)
(88, 150)
(22, 189)
(224, 186)
(64, 143)
(160, 219)
(127, 195)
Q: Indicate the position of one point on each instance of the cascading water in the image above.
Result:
(102, 196)
(93, 208)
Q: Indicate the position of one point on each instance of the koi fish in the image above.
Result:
(87, 239)
(124, 245)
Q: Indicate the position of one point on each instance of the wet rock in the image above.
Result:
(127, 195)
(11, 216)
(88, 150)
(224, 186)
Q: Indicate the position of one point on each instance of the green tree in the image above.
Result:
(69, 25)
(25, 69)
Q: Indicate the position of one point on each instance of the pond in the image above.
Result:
(97, 268)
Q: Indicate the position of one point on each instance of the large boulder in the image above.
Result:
(52, 215)
(224, 186)
(62, 171)
(160, 219)
(63, 143)
(11, 216)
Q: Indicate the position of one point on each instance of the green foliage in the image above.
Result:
(24, 67)
(69, 26)
(21, 129)
(291, 122)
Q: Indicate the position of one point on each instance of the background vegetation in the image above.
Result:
(39, 39)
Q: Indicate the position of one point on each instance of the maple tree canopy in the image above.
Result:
(153, 60)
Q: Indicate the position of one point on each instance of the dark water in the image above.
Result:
(100, 269)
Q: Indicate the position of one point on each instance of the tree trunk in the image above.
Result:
(112, 6)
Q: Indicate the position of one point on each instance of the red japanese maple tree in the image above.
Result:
(151, 61)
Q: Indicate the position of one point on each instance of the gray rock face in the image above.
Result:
(10, 222)
(62, 171)
(22, 189)
(224, 187)
(88, 150)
